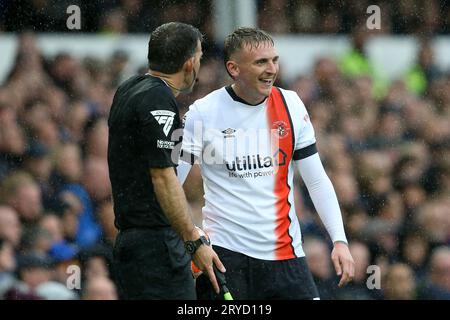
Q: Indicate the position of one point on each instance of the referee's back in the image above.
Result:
(132, 150)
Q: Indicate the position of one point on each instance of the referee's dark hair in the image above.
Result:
(170, 45)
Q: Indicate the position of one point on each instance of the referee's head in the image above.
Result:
(170, 45)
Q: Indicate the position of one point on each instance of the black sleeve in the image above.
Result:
(158, 120)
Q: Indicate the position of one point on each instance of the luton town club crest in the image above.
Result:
(280, 128)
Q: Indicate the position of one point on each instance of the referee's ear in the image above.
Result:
(188, 65)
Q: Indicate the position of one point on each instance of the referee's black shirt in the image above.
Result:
(143, 116)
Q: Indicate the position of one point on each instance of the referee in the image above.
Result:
(157, 239)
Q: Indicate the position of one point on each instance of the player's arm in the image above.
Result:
(325, 201)
(322, 193)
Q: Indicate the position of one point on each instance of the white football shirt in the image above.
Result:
(246, 156)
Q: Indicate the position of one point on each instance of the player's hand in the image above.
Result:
(204, 258)
(343, 263)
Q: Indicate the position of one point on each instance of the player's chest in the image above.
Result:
(246, 135)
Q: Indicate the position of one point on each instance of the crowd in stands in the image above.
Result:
(276, 16)
(385, 145)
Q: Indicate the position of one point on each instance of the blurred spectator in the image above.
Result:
(357, 63)
(438, 285)
(105, 216)
(95, 262)
(7, 266)
(114, 22)
(22, 193)
(80, 216)
(306, 16)
(63, 70)
(139, 18)
(12, 141)
(356, 222)
(318, 258)
(273, 16)
(357, 289)
(63, 255)
(33, 270)
(62, 250)
(118, 66)
(399, 283)
(96, 179)
(36, 240)
(10, 226)
(436, 180)
(96, 139)
(68, 165)
(78, 225)
(53, 225)
(424, 71)
(434, 220)
(414, 252)
(99, 288)
(383, 238)
(37, 161)
(52, 290)
(346, 188)
(76, 119)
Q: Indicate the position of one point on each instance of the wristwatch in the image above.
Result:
(192, 246)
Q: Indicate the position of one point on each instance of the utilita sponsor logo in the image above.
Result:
(250, 162)
(257, 162)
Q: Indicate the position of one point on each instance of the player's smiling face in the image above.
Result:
(256, 71)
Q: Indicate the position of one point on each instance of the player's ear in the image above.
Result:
(233, 68)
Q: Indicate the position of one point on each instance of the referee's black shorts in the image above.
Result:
(254, 279)
(152, 264)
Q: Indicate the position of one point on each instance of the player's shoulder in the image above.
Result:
(292, 99)
(290, 94)
(210, 101)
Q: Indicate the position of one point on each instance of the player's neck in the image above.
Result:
(173, 81)
(244, 95)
